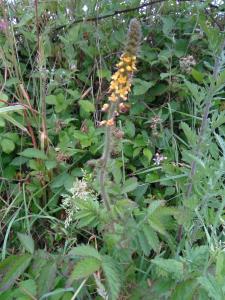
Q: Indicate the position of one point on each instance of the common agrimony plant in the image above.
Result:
(119, 89)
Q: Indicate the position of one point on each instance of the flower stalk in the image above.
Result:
(119, 89)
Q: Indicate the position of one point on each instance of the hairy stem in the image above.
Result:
(105, 159)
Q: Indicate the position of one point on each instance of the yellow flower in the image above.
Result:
(122, 79)
(110, 122)
(105, 107)
(113, 97)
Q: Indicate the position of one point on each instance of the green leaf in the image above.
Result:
(28, 287)
(198, 76)
(46, 279)
(168, 24)
(85, 268)
(211, 287)
(190, 134)
(60, 180)
(26, 241)
(61, 103)
(151, 237)
(12, 108)
(33, 153)
(14, 122)
(129, 185)
(87, 106)
(147, 153)
(7, 145)
(51, 99)
(141, 86)
(112, 275)
(129, 128)
(143, 243)
(104, 73)
(2, 122)
(11, 268)
(171, 266)
(4, 97)
(185, 290)
(85, 251)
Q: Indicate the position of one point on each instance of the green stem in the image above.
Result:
(103, 174)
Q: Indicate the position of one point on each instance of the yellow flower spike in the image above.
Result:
(122, 79)
(102, 123)
(110, 122)
(113, 97)
(129, 68)
(120, 64)
(105, 107)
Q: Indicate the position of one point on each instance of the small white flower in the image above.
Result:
(79, 191)
(159, 158)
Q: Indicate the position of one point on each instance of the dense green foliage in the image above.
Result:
(163, 235)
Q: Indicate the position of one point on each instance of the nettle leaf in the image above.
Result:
(151, 237)
(12, 268)
(85, 251)
(33, 153)
(85, 268)
(129, 185)
(26, 241)
(112, 275)
(210, 285)
(171, 266)
(184, 290)
(143, 243)
(141, 86)
(87, 106)
(189, 133)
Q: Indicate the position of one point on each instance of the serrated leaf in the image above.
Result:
(26, 241)
(171, 266)
(185, 290)
(189, 133)
(85, 268)
(11, 268)
(151, 237)
(211, 287)
(87, 106)
(129, 185)
(46, 280)
(141, 86)
(112, 276)
(143, 243)
(33, 153)
(85, 251)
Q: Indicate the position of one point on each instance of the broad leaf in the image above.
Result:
(12, 268)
